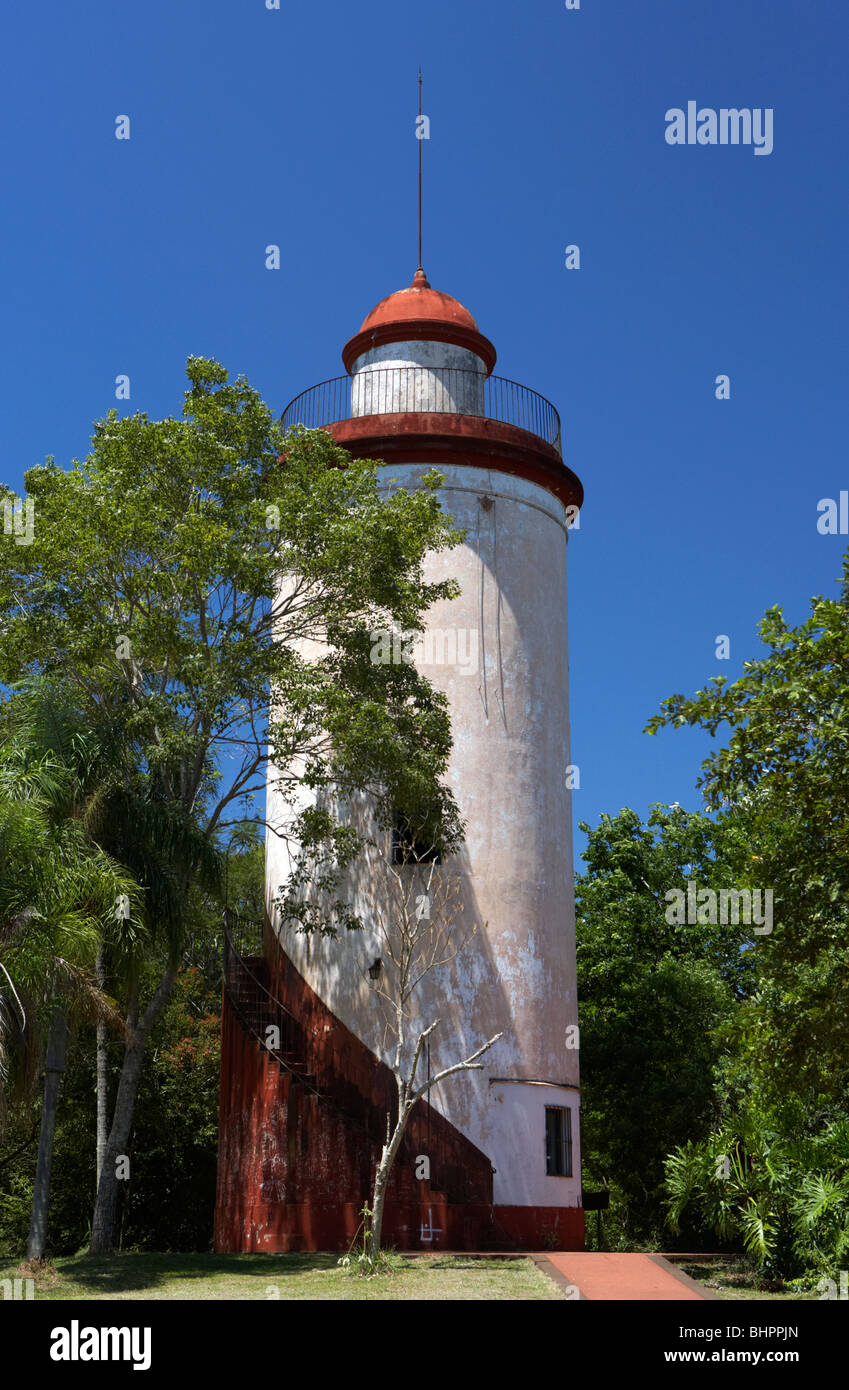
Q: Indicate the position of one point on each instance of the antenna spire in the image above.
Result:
(418, 132)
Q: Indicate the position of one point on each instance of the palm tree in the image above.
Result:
(168, 855)
(57, 890)
(111, 801)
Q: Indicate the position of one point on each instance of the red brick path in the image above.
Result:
(639, 1277)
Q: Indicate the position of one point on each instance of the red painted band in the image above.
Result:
(419, 330)
(431, 439)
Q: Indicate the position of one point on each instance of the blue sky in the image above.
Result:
(295, 127)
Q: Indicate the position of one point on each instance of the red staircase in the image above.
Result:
(320, 1063)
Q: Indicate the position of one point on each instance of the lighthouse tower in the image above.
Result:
(420, 394)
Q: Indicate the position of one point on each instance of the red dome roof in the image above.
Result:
(419, 301)
(419, 312)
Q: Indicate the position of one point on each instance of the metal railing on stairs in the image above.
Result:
(260, 1012)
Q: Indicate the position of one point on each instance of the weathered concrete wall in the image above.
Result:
(510, 715)
(294, 1170)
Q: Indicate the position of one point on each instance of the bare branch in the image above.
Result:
(469, 1064)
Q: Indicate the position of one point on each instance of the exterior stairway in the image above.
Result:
(246, 981)
(249, 989)
(302, 1118)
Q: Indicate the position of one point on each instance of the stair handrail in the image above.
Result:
(232, 955)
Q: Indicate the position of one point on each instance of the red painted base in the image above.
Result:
(294, 1168)
(434, 1225)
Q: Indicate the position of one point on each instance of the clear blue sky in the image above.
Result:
(251, 126)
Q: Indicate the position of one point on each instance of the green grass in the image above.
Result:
(265, 1277)
(733, 1279)
(262, 1277)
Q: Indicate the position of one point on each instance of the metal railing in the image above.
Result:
(257, 1009)
(436, 390)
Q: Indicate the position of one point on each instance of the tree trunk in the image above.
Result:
(102, 1079)
(106, 1206)
(381, 1180)
(55, 1065)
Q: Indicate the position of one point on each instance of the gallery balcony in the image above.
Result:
(441, 415)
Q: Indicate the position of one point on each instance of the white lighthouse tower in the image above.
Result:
(420, 395)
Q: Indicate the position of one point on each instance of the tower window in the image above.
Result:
(410, 846)
(558, 1141)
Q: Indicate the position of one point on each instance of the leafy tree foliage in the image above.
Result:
(58, 889)
(168, 1201)
(784, 1195)
(153, 590)
(652, 998)
(781, 781)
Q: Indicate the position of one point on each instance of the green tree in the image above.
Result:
(781, 780)
(118, 816)
(784, 1195)
(153, 586)
(57, 890)
(654, 997)
(783, 777)
(168, 1199)
(171, 1199)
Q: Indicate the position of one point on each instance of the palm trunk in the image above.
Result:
(55, 1065)
(102, 1079)
(106, 1207)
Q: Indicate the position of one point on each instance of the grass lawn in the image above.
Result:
(733, 1279)
(420, 1277)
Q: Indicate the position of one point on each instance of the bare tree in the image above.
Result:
(416, 907)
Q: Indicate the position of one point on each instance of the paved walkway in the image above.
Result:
(639, 1277)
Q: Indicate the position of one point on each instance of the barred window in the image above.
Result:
(558, 1141)
(412, 846)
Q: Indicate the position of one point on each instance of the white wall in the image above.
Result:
(510, 721)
